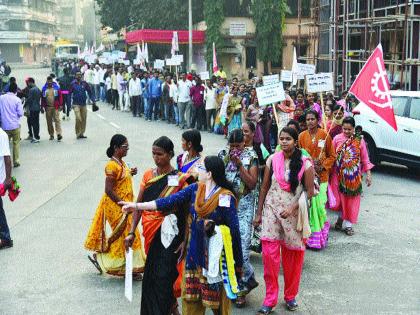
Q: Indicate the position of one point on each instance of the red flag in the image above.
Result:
(215, 67)
(372, 87)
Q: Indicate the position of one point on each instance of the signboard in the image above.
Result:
(159, 64)
(205, 75)
(172, 62)
(237, 29)
(271, 79)
(286, 76)
(305, 69)
(179, 58)
(270, 94)
(320, 82)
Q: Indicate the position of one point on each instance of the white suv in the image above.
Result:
(386, 144)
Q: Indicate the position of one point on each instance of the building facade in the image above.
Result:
(69, 21)
(27, 29)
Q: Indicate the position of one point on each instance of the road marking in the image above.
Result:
(115, 125)
(100, 116)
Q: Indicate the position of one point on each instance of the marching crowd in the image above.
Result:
(268, 190)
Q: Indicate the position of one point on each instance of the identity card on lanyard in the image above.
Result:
(224, 200)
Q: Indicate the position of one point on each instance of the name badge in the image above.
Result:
(321, 143)
(173, 181)
(224, 200)
(246, 161)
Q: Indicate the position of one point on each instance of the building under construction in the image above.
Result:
(345, 32)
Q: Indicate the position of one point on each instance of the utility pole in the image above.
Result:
(94, 24)
(190, 46)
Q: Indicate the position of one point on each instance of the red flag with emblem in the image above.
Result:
(372, 87)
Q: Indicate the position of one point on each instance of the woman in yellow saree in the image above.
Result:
(109, 251)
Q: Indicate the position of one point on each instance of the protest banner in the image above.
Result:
(271, 79)
(320, 82)
(286, 76)
(159, 64)
(269, 94)
(205, 75)
(180, 58)
(305, 69)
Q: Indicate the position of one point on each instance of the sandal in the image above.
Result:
(5, 243)
(265, 310)
(240, 301)
(349, 231)
(95, 263)
(137, 276)
(339, 224)
(292, 305)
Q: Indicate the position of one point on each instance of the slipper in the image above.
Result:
(137, 276)
(95, 263)
(265, 310)
(240, 302)
(5, 243)
(349, 231)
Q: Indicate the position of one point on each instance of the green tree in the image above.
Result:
(114, 13)
(269, 19)
(214, 17)
(158, 14)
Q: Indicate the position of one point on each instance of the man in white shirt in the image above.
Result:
(6, 179)
(89, 78)
(121, 87)
(102, 88)
(173, 94)
(96, 81)
(134, 91)
(184, 99)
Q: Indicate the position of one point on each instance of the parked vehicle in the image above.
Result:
(386, 144)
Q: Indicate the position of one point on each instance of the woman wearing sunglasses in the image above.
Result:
(213, 213)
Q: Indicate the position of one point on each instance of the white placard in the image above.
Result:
(205, 75)
(159, 64)
(121, 54)
(180, 58)
(305, 69)
(102, 60)
(286, 76)
(320, 82)
(237, 29)
(127, 62)
(129, 274)
(270, 94)
(271, 79)
(173, 62)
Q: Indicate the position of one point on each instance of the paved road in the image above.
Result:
(376, 271)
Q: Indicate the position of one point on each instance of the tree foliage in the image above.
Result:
(269, 19)
(214, 17)
(157, 14)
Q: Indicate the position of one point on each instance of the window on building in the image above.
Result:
(251, 57)
(293, 6)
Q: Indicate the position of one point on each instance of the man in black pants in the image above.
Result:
(33, 104)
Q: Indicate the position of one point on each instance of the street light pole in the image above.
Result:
(190, 46)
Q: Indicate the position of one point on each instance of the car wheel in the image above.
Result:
(372, 150)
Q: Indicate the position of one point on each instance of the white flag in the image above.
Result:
(295, 68)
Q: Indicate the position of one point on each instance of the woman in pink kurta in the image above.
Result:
(346, 178)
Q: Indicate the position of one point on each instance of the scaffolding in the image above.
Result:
(345, 32)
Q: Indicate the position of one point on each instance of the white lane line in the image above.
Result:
(115, 125)
(100, 116)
